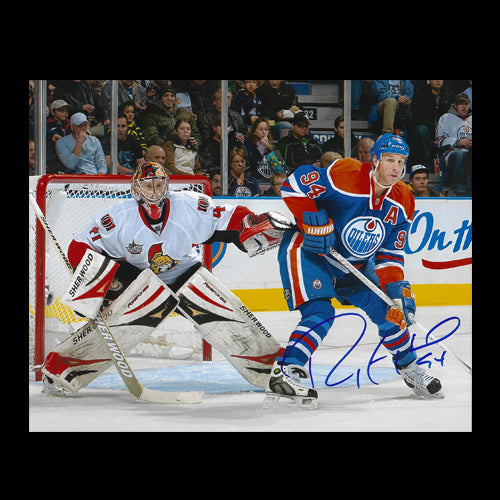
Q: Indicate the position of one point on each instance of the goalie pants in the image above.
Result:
(310, 281)
(127, 273)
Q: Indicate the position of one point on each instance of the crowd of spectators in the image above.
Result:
(178, 124)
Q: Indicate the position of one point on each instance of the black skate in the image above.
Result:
(421, 383)
(284, 381)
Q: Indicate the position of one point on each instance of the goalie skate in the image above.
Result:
(284, 381)
(59, 378)
(417, 379)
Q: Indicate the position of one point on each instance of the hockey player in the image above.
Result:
(157, 230)
(362, 210)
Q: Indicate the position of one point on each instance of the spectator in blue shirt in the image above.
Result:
(79, 152)
(394, 97)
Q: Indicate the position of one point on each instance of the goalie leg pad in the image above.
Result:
(59, 376)
(133, 316)
(226, 323)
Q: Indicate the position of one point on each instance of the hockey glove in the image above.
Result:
(260, 233)
(404, 313)
(318, 232)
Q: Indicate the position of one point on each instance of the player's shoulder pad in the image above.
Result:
(300, 178)
(179, 195)
(107, 218)
(402, 195)
(195, 201)
(304, 169)
(350, 175)
(189, 196)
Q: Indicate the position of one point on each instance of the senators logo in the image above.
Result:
(203, 204)
(159, 263)
(107, 222)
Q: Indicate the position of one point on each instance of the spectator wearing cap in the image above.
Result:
(80, 152)
(57, 127)
(161, 116)
(454, 140)
(299, 147)
(418, 185)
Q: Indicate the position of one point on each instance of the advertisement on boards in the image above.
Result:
(438, 256)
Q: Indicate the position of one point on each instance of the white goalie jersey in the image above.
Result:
(168, 248)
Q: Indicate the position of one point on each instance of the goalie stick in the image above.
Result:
(375, 289)
(109, 342)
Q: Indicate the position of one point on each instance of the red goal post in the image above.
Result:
(68, 202)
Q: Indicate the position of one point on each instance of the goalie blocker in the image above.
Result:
(217, 313)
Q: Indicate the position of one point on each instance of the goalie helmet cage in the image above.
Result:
(69, 202)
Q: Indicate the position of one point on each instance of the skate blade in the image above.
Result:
(55, 392)
(305, 403)
(269, 401)
(419, 394)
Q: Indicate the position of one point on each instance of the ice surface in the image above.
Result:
(359, 390)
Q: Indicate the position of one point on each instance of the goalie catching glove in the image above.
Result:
(260, 233)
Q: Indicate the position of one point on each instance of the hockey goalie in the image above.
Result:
(135, 263)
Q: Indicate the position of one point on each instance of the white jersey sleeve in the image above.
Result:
(206, 216)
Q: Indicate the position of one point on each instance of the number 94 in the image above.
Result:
(309, 179)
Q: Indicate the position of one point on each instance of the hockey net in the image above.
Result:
(69, 202)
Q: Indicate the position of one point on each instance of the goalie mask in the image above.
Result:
(150, 187)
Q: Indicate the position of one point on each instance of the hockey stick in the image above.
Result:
(375, 289)
(109, 342)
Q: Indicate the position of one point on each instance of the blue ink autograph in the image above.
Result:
(422, 360)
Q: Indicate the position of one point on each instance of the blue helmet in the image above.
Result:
(388, 143)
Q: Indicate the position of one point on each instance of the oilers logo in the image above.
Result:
(464, 132)
(363, 235)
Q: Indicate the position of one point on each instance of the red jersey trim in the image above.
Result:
(237, 216)
(145, 221)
